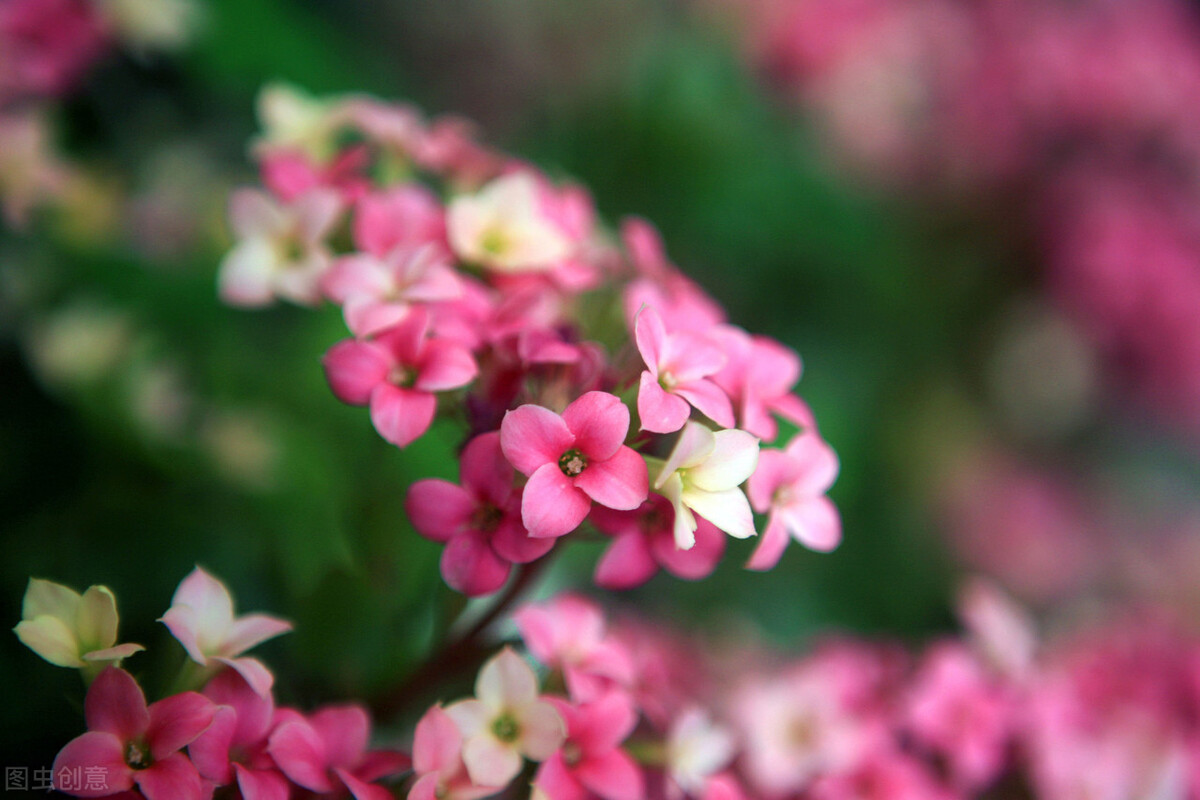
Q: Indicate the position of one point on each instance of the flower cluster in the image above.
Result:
(1003, 102)
(222, 729)
(596, 383)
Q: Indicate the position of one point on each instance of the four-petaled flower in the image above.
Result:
(69, 629)
(572, 460)
(678, 365)
(506, 228)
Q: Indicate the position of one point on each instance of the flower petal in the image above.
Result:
(299, 752)
(471, 566)
(621, 482)
(257, 676)
(732, 461)
(485, 471)
(261, 784)
(171, 778)
(115, 704)
(513, 543)
(345, 730)
(658, 410)
(551, 505)
(251, 630)
(771, 546)
(444, 366)
(651, 337)
(505, 682)
(438, 509)
(599, 422)
(361, 790)
(816, 524)
(96, 749)
(210, 750)
(471, 716)
(626, 563)
(51, 639)
(613, 776)
(531, 436)
(729, 510)
(695, 563)
(401, 416)
(176, 721)
(489, 761)
(709, 399)
(542, 730)
(49, 598)
(354, 368)
(436, 743)
(695, 444)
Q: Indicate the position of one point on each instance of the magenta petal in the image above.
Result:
(613, 776)
(438, 509)
(426, 788)
(771, 546)
(257, 676)
(513, 543)
(210, 751)
(403, 341)
(401, 415)
(366, 316)
(485, 470)
(470, 565)
(437, 742)
(361, 790)
(299, 752)
(694, 356)
(659, 410)
(378, 764)
(96, 749)
(557, 781)
(354, 368)
(254, 711)
(606, 722)
(531, 436)
(551, 505)
(816, 463)
(622, 482)
(171, 778)
(115, 704)
(176, 721)
(626, 563)
(710, 400)
(699, 561)
(355, 275)
(345, 730)
(445, 366)
(261, 784)
(651, 337)
(599, 422)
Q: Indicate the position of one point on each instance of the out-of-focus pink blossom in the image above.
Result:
(396, 373)
(327, 752)
(644, 542)
(201, 618)
(590, 762)
(790, 484)
(697, 749)
(568, 633)
(572, 460)
(377, 293)
(759, 376)
(135, 745)
(479, 521)
(438, 764)
(507, 719)
(46, 46)
(234, 748)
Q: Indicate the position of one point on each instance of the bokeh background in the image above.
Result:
(977, 224)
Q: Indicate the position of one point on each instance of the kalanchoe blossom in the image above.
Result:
(697, 749)
(201, 618)
(572, 460)
(505, 721)
(135, 745)
(326, 752)
(397, 373)
(505, 227)
(678, 365)
(72, 630)
(758, 377)
(591, 762)
(644, 541)
(568, 634)
(234, 748)
(479, 521)
(703, 474)
(375, 293)
(790, 484)
(438, 764)
(281, 250)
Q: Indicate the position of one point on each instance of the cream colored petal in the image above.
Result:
(51, 639)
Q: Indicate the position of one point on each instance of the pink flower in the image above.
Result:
(572, 460)
(567, 633)
(505, 721)
(281, 250)
(234, 748)
(438, 764)
(791, 485)
(644, 541)
(697, 749)
(591, 761)
(886, 774)
(396, 374)
(479, 521)
(407, 216)
(678, 365)
(327, 752)
(133, 744)
(377, 292)
(956, 710)
(758, 377)
(201, 618)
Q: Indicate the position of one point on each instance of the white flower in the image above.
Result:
(696, 749)
(504, 227)
(69, 629)
(703, 474)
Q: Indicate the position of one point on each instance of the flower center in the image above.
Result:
(571, 754)
(399, 376)
(136, 756)
(667, 381)
(572, 463)
(505, 728)
(486, 518)
(494, 241)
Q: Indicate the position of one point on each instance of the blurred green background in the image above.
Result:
(148, 428)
